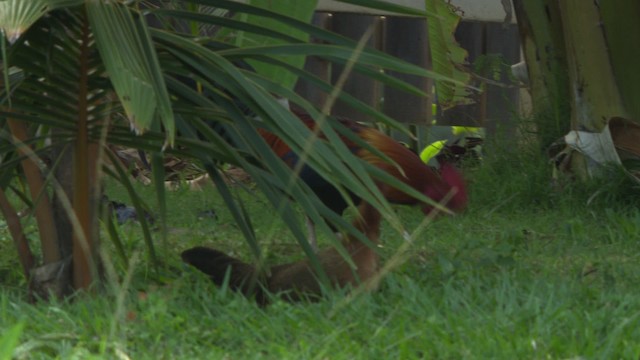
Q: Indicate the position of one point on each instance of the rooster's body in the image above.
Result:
(298, 279)
(409, 169)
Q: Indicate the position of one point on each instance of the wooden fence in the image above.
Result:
(406, 38)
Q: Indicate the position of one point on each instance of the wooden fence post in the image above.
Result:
(495, 108)
(359, 86)
(316, 66)
(407, 39)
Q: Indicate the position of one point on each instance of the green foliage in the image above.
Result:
(613, 184)
(78, 79)
(9, 340)
(492, 66)
(507, 279)
(516, 172)
(16, 16)
(544, 50)
(617, 30)
(300, 10)
(531, 180)
(551, 123)
(132, 65)
(447, 55)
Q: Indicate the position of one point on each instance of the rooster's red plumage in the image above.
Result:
(409, 169)
(296, 279)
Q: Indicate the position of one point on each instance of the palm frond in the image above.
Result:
(129, 57)
(16, 16)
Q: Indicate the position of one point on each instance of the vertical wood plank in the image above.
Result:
(316, 66)
(407, 39)
(496, 107)
(470, 35)
(502, 103)
(359, 86)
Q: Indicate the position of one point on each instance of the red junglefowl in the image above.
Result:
(411, 171)
(298, 280)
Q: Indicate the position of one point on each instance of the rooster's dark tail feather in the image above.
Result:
(216, 264)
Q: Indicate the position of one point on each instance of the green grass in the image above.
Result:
(532, 270)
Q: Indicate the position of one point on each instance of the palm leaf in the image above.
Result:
(387, 7)
(127, 51)
(171, 80)
(16, 16)
(300, 10)
(286, 126)
(123, 177)
(10, 339)
(447, 55)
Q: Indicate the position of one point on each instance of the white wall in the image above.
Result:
(480, 10)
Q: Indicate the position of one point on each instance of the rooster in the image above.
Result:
(408, 168)
(298, 280)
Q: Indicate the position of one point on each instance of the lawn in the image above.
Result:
(532, 269)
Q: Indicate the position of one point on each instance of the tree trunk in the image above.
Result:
(544, 52)
(579, 58)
